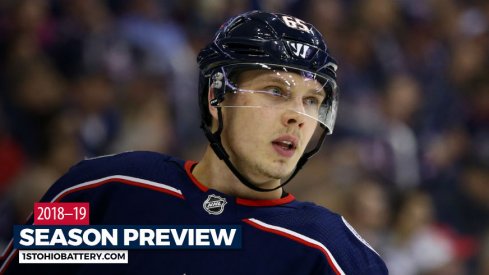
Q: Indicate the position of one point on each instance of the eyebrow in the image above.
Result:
(280, 80)
(321, 92)
(274, 79)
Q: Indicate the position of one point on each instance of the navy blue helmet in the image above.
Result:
(265, 38)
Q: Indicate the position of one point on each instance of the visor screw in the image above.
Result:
(218, 76)
(217, 83)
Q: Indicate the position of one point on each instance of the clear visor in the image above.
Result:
(271, 86)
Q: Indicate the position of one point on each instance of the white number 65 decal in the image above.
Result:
(295, 23)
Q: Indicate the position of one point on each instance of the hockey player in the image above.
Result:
(268, 97)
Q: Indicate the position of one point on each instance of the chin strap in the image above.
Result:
(216, 145)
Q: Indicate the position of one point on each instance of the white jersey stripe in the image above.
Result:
(115, 177)
(355, 233)
(7, 259)
(302, 237)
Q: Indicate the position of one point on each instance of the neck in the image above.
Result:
(214, 173)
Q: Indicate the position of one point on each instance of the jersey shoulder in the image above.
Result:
(334, 234)
(352, 252)
(138, 168)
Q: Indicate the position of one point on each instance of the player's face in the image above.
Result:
(266, 142)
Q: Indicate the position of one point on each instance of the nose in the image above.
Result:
(293, 120)
(292, 115)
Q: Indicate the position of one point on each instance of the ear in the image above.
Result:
(212, 109)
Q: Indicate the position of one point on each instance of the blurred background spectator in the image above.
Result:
(414, 244)
(408, 164)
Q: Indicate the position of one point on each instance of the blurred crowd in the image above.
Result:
(408, 164)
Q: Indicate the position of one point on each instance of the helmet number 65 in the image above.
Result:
(295, 23)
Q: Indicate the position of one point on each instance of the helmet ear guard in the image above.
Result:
(218, 86)
(216, 83)
(217, 80)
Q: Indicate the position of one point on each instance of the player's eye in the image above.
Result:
(277, 91)
(311, 101)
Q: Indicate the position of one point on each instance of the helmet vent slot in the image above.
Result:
(295, 39)
(239, 48)
(235, 24)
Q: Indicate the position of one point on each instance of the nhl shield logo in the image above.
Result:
(214, 205)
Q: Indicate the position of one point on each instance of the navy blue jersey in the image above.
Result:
(282, 236)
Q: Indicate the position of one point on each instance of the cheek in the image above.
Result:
(248, 125)
(310, 127)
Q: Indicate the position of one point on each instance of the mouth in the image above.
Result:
(285, 145)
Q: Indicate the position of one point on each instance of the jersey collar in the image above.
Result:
(246, 202)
